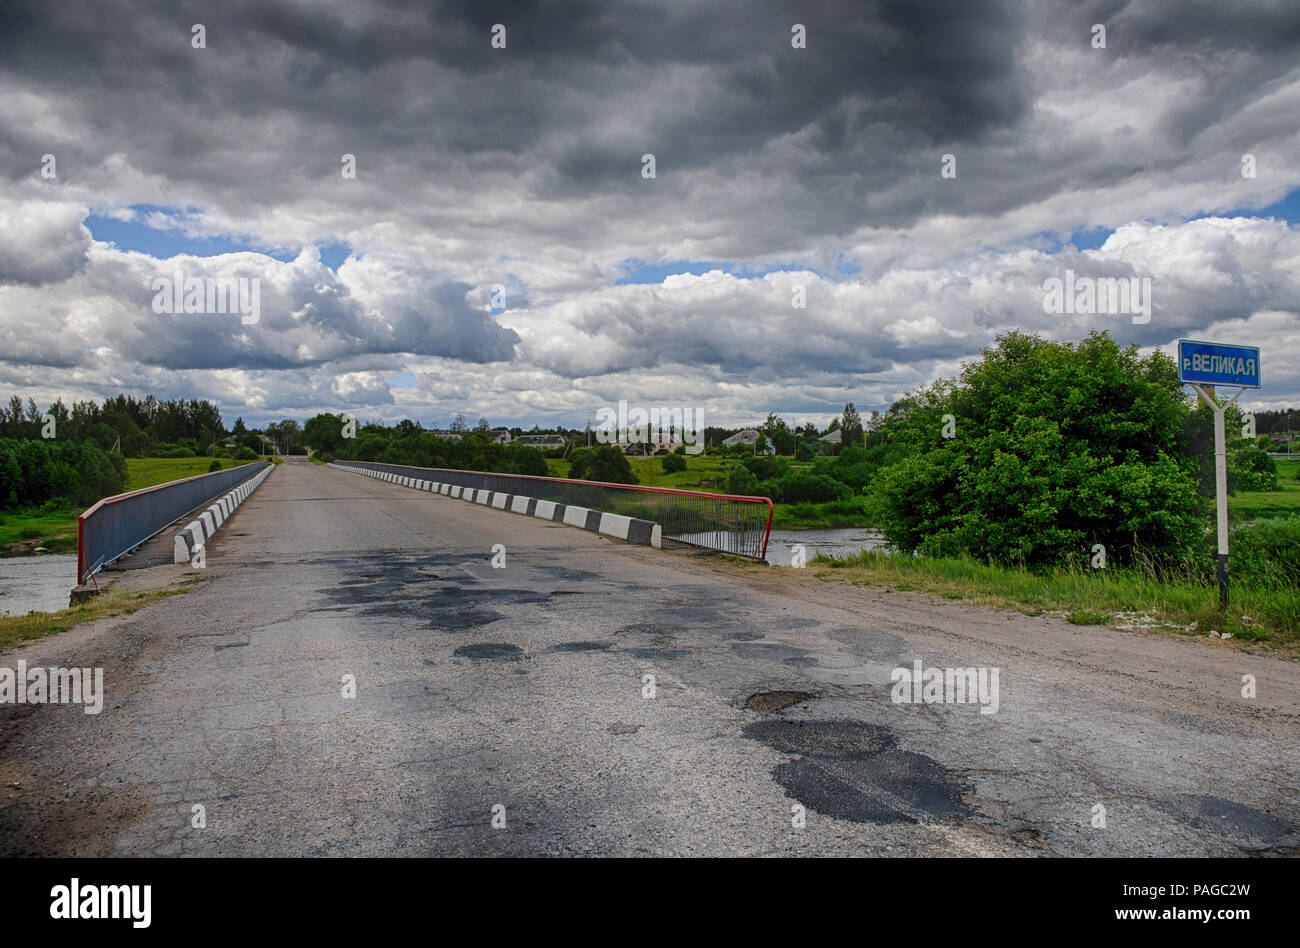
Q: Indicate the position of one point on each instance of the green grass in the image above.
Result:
(702, 473)
(146, 472)
(1083, 596)
(54, 529)
(1256, 505)
(112, 602)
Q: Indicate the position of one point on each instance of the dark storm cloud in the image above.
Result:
(906, 73)
(522, 167)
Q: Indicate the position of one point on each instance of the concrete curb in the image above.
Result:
(631, 529)
(198, 532)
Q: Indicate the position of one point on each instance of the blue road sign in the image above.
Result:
(1213, 364)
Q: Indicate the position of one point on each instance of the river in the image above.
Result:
(780, 545)
(38, 583)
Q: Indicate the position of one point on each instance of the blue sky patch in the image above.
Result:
(166, 242)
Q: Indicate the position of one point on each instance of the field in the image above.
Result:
(146, 472)
(1255, 505)
(702, 473)
(55, 528)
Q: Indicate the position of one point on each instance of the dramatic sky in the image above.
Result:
(522, 166)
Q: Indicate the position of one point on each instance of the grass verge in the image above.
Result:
(1114, 597)
(23, 529)
(115, 601)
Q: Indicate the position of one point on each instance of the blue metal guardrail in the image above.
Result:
(116, 525)
(725, 522)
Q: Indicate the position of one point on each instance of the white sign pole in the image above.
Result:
(1220, 484)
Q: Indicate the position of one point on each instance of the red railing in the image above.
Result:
(730, 523)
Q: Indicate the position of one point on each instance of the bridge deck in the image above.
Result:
(523, 686)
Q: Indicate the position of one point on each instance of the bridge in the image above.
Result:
(361, 668)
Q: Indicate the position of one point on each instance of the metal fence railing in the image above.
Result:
(116, 525)
(725, 522)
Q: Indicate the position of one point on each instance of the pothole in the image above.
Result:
(852, 770)
(453, 621)
(490, 652)
(773, 701)
(651, 628)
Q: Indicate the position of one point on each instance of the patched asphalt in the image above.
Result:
(616, 700)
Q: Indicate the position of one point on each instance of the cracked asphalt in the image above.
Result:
(522, 693)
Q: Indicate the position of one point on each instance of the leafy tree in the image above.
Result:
(1057, 447)
(324, 433)
(527, 460)
(779, 434)
(673, 463)
(741, 481)
(606, 463)
(850, 427)
(766, 467)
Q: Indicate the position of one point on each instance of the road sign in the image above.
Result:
(1204, 365)
(1209, 363)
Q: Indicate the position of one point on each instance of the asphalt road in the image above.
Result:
(524, 687)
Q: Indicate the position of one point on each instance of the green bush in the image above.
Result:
(1057, 446)
(522, 459)
(606, 463)
(246, 454)
(673, 463)
(214, 466)
(741, 480)
(165, 450)
(765, 467)
(1266, 553)
(808, 487)
(1254, 470)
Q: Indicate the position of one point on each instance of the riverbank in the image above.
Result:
(120, 597)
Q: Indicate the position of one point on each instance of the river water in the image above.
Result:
(780, 545)
(38, 583)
